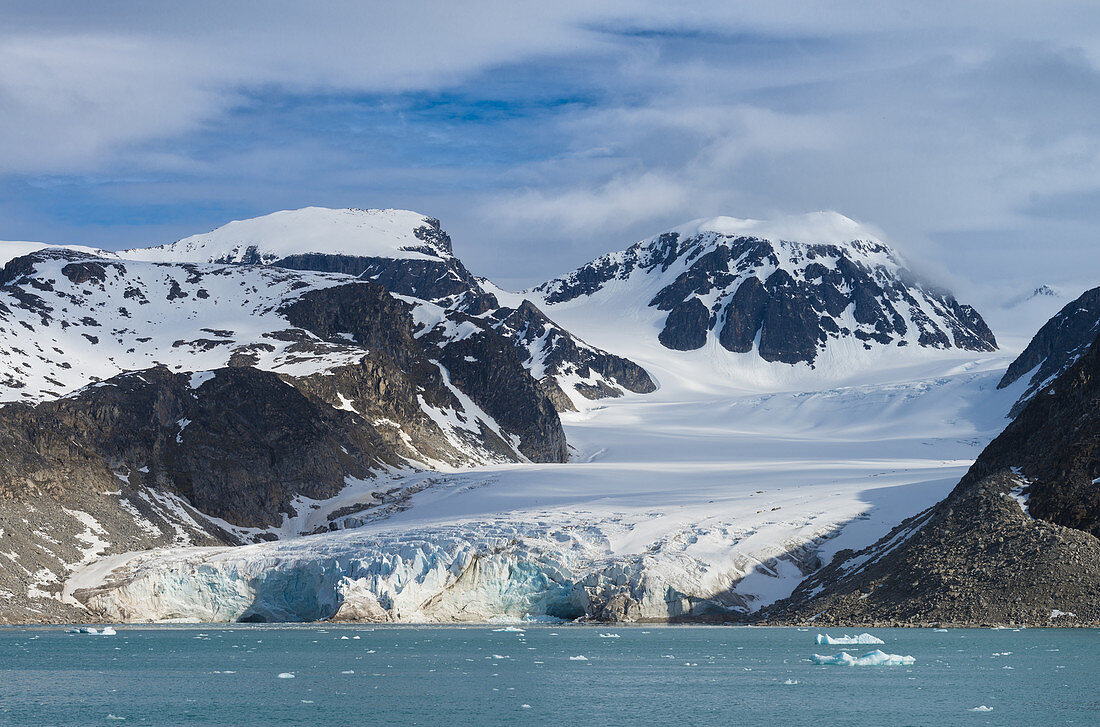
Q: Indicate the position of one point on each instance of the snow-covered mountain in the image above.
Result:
(813, 290)
(411, 255)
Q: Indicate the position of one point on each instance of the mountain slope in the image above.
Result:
(1056, 346)
(788, 292)
(1016, 541)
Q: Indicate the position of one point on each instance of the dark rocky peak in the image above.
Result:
(556, 358)
(1055, 347)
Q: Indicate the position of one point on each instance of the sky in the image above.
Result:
(543, 135)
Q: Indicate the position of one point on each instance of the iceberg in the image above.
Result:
(981, 708)
(106, 631)
(874, 658)
(846, 639)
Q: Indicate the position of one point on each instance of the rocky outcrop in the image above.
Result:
(553, 355)
(480, 364)
(1016, 542)
(1056, 346)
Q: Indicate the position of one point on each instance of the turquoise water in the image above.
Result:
(477, 676)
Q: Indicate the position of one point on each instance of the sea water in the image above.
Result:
(637, 675)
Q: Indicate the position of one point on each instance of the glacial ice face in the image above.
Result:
(874, 658)
(837, 640)
(451, 574)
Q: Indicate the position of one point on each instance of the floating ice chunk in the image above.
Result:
(510, 630)
(981, 708)
(791, 681)
(115, 718)
(579, 657)
(939, 631)
(348, 671)
(344, 638)
(107, 631)
(525, 706)
(874, 658)
(846, 639)
(286, 675)
(609, 636)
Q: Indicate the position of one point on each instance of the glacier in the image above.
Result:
(704, 499)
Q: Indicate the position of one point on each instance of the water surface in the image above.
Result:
(686, 675)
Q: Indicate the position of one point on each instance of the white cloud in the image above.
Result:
(621, 201)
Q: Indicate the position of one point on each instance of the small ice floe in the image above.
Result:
(106, 631)
(846, 639)
(578, 657)
(609, 636)
(115, 718)
(525, 706)
(939, 631)
(981, 708)
(791, 681)
(353, 638)
(344, 638)
(510, 630)
(348, 671)
(286, 675)
(874, 658)
(498, 656)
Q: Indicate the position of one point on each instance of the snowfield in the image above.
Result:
(701, 498)
(367, 233)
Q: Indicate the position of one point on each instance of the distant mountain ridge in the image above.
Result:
(1056, 346)
(754, 287)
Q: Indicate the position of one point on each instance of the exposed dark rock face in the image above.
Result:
(794, 298)
(550, 351)
(484, 366)
(1057, 345)
(241, 446)
(546, 348)
(979, 556)
(686, 326)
